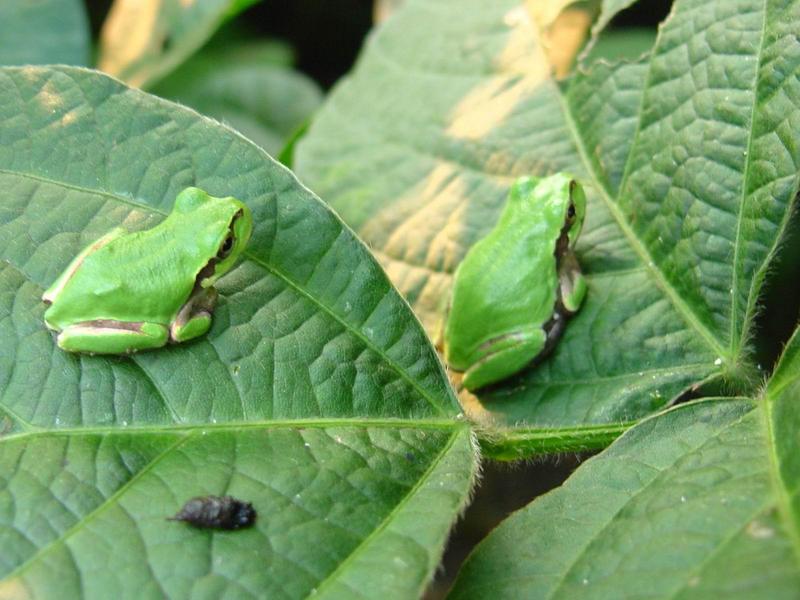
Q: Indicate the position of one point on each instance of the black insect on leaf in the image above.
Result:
(217, 512)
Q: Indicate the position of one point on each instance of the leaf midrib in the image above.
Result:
(636, 245)
(99, 509)
(697, 569)
(784, 501)
(270, 268)
(234, 426)
(557, 589)
(456, 430)
(740, 338)
(333, 577)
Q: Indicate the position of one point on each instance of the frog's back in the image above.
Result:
(141, 276)
(515, 269)
(516, 282)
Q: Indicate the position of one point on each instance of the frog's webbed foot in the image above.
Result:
(194, 318)
(112, 337)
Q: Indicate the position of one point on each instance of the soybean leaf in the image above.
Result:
(45, 31)
(315, 395)
(690, 156)
(700, 502)
(266, 102)
(144, 40)
(628, 43)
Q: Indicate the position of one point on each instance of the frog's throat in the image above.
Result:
(206, 277)
(568, 271)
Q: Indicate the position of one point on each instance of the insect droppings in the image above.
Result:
(216, 512)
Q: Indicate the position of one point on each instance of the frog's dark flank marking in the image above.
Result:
(216, 512)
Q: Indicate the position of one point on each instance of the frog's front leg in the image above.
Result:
(194, 318)
(112, 337)
(572, 283)
(508, 354)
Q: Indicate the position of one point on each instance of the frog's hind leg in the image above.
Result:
(509, 355)
(194, 318)
(112, 337)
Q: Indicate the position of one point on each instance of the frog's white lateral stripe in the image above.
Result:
(79, 330)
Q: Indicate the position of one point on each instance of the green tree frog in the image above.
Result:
(515, 287)
(133, 291)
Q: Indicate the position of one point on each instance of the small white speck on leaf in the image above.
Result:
(759, 531)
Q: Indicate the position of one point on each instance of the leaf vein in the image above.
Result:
(50, 546)
(331, 578)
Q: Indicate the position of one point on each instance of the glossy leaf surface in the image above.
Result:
(700, 502)
(315, 395)
(690, 156)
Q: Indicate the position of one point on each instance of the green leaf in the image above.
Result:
(702, 501)
(45, 31)
(627, 44)
(144, 40)
(690, 156)
(263, 101)
(315, 395)
(87, 511)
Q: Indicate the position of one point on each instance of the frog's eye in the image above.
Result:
(571, 212)
(226, 247)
